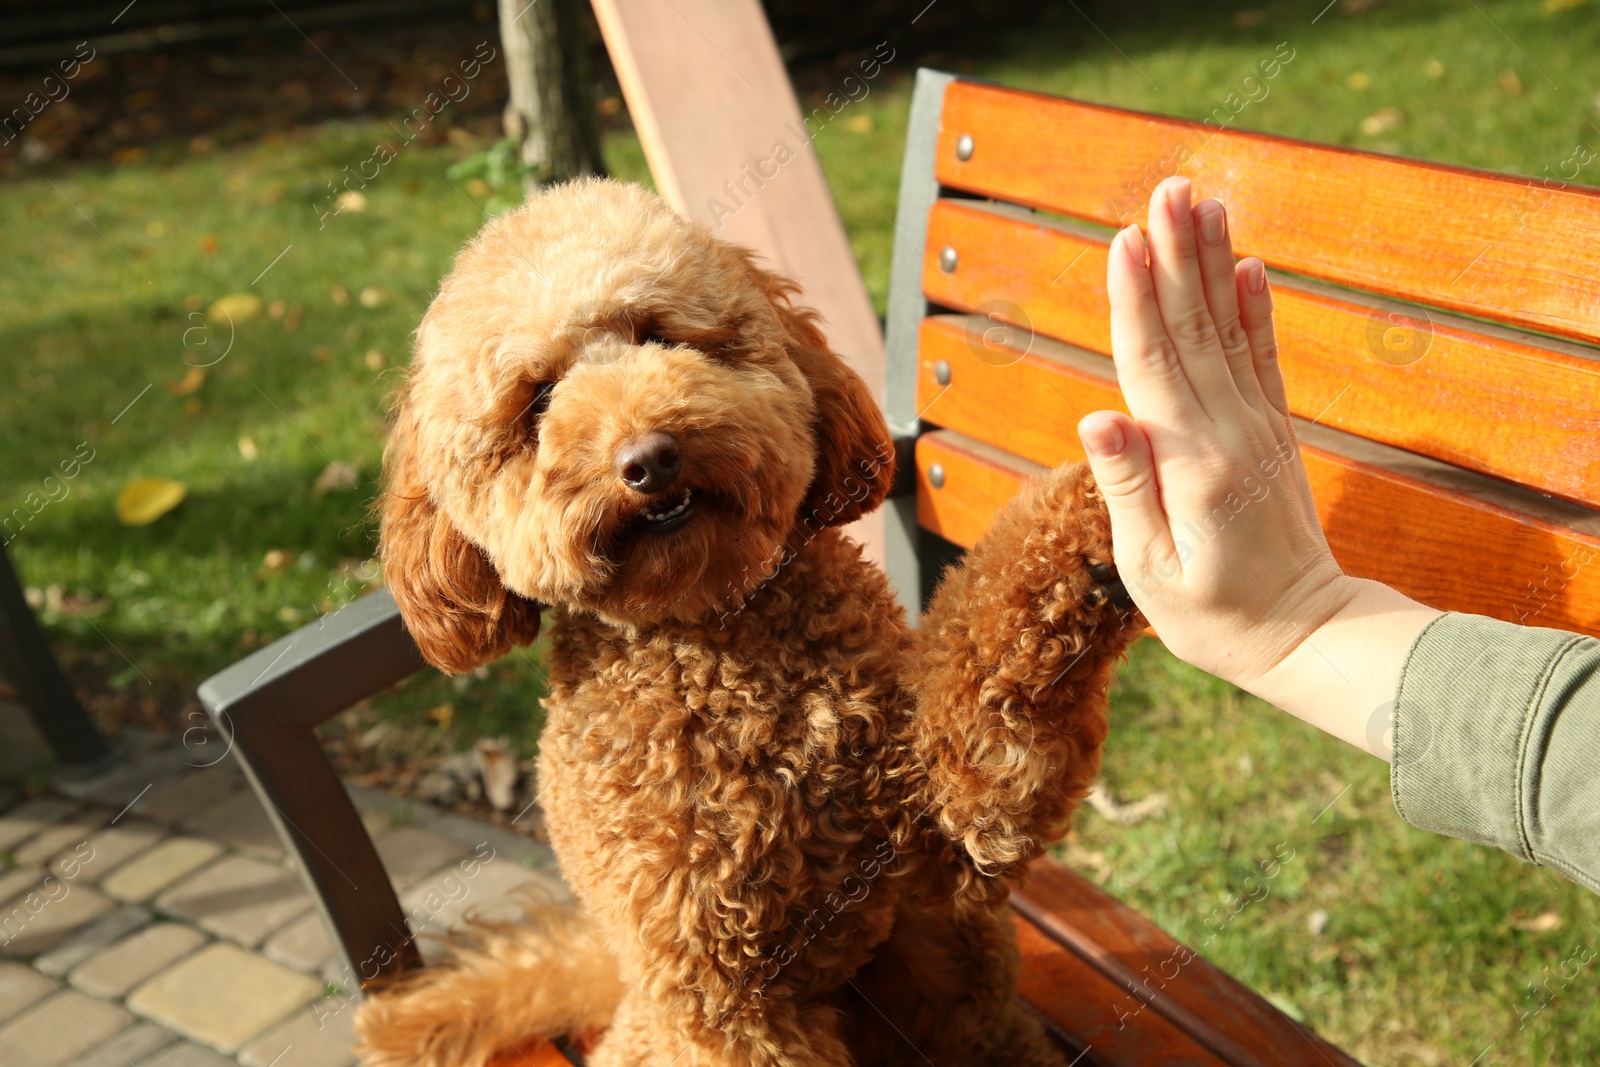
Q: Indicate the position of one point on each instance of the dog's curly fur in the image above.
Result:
(787, 818)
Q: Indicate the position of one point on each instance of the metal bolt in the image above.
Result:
(964, 147)
(936, 476)
(947, 260)
(941, 372)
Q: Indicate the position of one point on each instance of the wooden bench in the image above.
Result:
(1453, 457)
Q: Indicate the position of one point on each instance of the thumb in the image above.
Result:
(1124, 468)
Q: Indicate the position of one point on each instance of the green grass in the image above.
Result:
(1419, 961)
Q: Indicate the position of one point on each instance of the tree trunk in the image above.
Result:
(552, 108)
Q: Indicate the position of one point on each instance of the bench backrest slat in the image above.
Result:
(1493, 246)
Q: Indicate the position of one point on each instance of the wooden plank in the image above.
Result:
(1108, 1024)
(1442, 388)
(1511, 249)
(1216, 1010)
(710, 97)
(1448, 537)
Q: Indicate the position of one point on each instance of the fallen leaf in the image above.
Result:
(276, 309)
(130, 154)
(247, 448)
(209, 244)
(1359, 80)
(350, 200)
(444, 715)
(341, 296)
(1539, 924)
(499, 771)
(376, 359)
(155, 228)
(322, 354)
(192, 303)
(609, 106)
(192, 406)
(1509, 83)
(859, 124)
(1129, 814)
(337, 477)
(235, 307)
(1383, 121)
(275, 560)
(1316, 922)
(192, 380)
(1434, 69)
(479, 187)
(201, 145)
(1553, 6)
(144, 500)
(291, 318)
(374, 296)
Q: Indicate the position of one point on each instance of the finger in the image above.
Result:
(1181, 296)
(1255, 314)
(1222, 298)
(1124, 467)
(1148, 370)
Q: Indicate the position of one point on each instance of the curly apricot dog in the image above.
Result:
(786, 817)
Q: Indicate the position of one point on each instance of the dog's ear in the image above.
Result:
(452, 601)
(855, 454)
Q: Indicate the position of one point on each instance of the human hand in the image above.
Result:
(1215, 531)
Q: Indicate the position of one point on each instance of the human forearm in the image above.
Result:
(1342, 677)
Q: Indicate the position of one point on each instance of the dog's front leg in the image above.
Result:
(1010, 672)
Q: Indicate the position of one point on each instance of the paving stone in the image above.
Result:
(321, 1035)
(240, 898)
(25, 820)
(130, 1045)
(59, 1029)
(507, 844)
(34, 922)
(411, 853)
(491, 892)
(108, 849)
(98, 936)
(153, 870)
(303, 944)
(63, 837)
(186, 1054)
(222, 996)
(187, 791)
(130, 961)
(19, 880)
(126, 782)
(19, 987)
(239, 821)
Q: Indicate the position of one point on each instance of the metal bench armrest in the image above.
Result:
(267, 706)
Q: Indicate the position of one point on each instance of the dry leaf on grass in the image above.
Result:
(337, 477)
(144, 500)
(235, 307)
(192, 380)
(1539, 924)
(497, 766)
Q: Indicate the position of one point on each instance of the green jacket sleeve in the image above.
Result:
(1497, 740)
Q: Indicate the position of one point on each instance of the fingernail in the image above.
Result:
(1178, 200)
(1103, 437)
(1213, 222)
(1133, 244)
(1256, 276)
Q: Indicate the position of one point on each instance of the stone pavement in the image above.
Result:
(150, 918)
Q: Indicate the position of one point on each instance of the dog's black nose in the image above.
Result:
(649, 462)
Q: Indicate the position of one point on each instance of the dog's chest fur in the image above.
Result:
(736, 790)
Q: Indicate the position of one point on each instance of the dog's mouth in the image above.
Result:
(662, 515)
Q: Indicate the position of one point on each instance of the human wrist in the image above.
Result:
(1343, 673)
